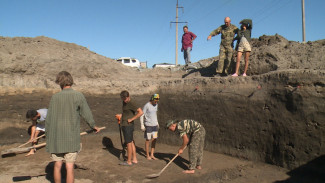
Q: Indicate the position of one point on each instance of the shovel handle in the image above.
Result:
(32, 140)
(170, 161)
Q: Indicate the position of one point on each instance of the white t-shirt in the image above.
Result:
(150, 114)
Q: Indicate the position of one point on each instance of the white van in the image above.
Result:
(128, 61)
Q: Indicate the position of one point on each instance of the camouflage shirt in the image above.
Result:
(227, 34)
(187, 126)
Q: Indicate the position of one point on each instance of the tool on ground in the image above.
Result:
(32, 140)
(25, 178)
(151, 176)
(118, 117)
(18, 150)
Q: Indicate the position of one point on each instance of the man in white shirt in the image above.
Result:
(149, 124)
(38, 125)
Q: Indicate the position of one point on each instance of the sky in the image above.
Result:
(142, 29)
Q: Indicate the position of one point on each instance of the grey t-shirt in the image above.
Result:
(150, 114)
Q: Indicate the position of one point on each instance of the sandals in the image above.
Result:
(125, 163)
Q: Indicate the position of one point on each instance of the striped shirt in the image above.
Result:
(187, 126)
(63, 121)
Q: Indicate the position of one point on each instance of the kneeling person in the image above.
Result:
(193, 132)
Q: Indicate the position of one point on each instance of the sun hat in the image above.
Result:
(170, 122)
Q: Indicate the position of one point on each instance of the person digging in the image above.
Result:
(193, 135)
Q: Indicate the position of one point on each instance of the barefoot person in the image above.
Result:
(243, 38)
(38, 126)
(131, 112)
(63, 126)
(149, 124)
(193, 132)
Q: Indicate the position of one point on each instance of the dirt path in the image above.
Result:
(99, 158)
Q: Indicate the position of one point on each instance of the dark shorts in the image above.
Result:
(128, 133)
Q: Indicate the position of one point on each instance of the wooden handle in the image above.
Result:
(32, 140)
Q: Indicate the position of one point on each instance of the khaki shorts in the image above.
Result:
(244, 45)
(67, 157)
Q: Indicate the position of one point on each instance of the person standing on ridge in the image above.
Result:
(187, 44)
(227, 32)
(243, 43)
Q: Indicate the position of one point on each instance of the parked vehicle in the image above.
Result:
(128, 61)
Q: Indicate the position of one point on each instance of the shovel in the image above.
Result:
(26, 149)
(32, 140)
(151, 176)
(118, 117)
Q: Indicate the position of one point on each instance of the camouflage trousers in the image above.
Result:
(225, 55)
(196, 146)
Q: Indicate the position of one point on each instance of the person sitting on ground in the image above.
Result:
(149, 124)
(243, 37)
(38, 126)
(193, 132)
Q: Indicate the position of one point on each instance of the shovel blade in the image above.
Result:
(152, 176)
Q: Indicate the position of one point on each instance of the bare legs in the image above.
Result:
(153, 145)
(35, 135)
(131, 153)
(57, 172)
(239, 54)
(246, 61)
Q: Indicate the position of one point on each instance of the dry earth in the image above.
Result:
(274, 116)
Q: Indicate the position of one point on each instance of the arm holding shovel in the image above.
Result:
(185, 142)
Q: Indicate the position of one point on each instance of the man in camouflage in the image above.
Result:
(193, 133)
(228, 32)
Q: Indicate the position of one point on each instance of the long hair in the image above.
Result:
(63, 79)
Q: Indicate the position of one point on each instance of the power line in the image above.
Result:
(176, 44)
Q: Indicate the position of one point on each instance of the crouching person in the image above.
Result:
(193, 134)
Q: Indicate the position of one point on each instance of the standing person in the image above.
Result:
(38, 125)
(187, 44)
(244, 37)
(63, 125)
(228, 32)
(192, 133)
(149, 124)
(131, 112)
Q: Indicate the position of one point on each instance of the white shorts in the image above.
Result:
(40, 127)
(244, 45)
(151, 132)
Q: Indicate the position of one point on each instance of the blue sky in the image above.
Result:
(142, 28)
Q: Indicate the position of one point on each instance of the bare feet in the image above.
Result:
(154, 158)
(30, 153)
(149, 158)
(189, 171)
(135, 162)
(198, 167)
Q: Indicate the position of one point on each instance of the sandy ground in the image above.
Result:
(99, 159)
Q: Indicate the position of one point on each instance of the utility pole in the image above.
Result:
(176, 47)
(303, 21)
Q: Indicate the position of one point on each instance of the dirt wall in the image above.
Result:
(277, 118)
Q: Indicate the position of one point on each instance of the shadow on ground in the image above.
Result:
(313, 171)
